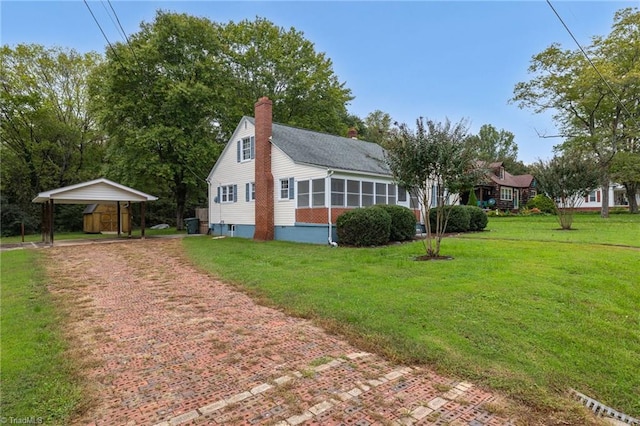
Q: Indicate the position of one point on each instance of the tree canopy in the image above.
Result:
(182, 83)
(595, 101)
(49, 137)
(266, 60)
(491, 144)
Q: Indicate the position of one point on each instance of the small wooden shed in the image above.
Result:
(104, 218)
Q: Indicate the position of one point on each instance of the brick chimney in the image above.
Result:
(352, 133)
(264, 206)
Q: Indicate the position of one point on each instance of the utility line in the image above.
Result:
(593, 65)
(123, 31)
(103, 34)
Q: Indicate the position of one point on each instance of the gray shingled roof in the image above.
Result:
(324, 150)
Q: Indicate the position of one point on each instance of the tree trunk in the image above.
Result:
(181, 198)
(632, 191)
(604, 184)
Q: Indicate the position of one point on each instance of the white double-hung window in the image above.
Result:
(506, 193)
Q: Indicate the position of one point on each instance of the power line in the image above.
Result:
(103, 33)
(123, 31)
(615, 95)
(111, 18)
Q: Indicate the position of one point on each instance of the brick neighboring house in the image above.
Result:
(279, 182)
(502, 190)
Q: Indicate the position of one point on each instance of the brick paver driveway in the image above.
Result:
(166, 344)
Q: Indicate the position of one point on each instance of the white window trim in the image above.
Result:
(504, 191)
(226, 191)
(280, 189)
(252, 191)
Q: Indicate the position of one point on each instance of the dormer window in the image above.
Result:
(501, 173)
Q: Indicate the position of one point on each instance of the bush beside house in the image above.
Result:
(364, 227)
(403, 222)
(462, 219)
(477, 218)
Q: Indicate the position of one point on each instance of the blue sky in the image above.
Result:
(433, 59)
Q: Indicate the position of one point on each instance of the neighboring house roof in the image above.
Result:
(520, 181)
(517, 181)
(329, 151)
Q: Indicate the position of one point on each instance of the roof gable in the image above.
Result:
(98, 190)
(229, 144)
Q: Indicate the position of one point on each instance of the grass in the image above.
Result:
(621, 229)
(528, 314)
(83, 236)
(37, 380)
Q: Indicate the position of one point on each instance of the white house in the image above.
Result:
(617, 198)
(279, 182)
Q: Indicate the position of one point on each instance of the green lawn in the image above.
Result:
(528, 314)
(37, 380)
(587, 228)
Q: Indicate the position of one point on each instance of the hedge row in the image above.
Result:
(462, 219)
(375, 225)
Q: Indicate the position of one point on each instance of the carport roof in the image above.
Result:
(96, 191)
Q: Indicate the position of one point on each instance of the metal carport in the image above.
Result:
(98, 191)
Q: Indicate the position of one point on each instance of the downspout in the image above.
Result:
(328, 189)
(219, 195)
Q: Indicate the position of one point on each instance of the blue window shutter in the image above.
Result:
(217, 199)
(247, 188)
(291, 194)
(238, 144)
(235, 193)
(253, 147)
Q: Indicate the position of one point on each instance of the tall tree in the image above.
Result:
(378, 127)
(161, 98)
(181, 85)
(267, 60)
(597, 111)
(491, 144)
(566, 179)
(49, 137)
(433, 162)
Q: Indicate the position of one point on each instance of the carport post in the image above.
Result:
(129, 220)
(119, 218)
(44, 222)
(143, 206)
(51, 220)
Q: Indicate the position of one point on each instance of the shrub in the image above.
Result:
(403, 222)
(477, 218)
(364, 227)
(543, 203)
(458, 219)
(473, 200)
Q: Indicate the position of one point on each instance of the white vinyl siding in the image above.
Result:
(228, 171)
